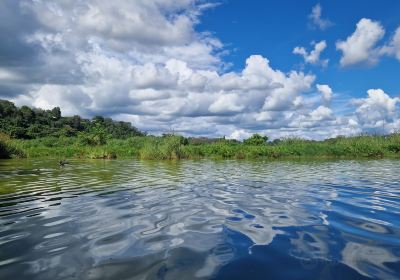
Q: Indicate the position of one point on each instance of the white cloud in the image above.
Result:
(239, 134)
(313, 57)
(226, 103)
(321, 113)
(393, 47)
(360, 47)
(316, 18)
(145, 31)
(166, 78)
(285, 97)
(98, 18)
(396, 43)
(150, 75)
(377, 110)
(71, 98)
(325, 91)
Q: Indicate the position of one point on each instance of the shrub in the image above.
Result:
(97, 136)
(256, 139)
(167, 147)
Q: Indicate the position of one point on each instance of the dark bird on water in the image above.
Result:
(62, 163)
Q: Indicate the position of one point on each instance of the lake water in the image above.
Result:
(200, 220)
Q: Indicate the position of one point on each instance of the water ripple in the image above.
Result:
(199, 219)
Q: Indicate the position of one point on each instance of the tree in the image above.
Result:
(7, 108)
(56, 113)
(99, 135)
(25, 123)
(18, 132)
(98, 119)
(256, 139)
(76, 122)
(27, 114)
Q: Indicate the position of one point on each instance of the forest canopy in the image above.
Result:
(31, 123)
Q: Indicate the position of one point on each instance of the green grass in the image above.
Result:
(8, 149)
(177, 147)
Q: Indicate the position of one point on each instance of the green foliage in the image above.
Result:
(45, 133)
(27, 123)
(56, 113)
(8, 149)
(97, 136)
(176, 147)
(166, 147)
(256, 139)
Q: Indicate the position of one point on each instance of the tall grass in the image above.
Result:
(176, 147)
(170, 147)
(8, 149)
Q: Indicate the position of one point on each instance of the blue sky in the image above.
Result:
(312, 69)
(274, 28)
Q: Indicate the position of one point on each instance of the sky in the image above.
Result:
(310, 69)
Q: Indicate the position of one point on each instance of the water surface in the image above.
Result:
(200, 220)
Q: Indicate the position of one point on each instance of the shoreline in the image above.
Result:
(175, 148)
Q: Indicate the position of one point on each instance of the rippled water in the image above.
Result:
(200, 219)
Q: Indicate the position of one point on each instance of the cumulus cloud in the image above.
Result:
(395, 43)
(316, 18)
(393, 47)
(144, 61)
(239, 134)
(360, 47)
(98, 18)
(313, 57)
(321, 113)
(377, 110)
(325, 91)
(71, 98)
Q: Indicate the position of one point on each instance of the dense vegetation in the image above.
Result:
(178, 147)
(28, 123)
(26, 132)
(8, 149)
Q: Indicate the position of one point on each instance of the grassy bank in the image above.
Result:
(32, 132)
(177, 147)
(8, 149)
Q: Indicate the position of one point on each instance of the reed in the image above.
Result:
(177, 147)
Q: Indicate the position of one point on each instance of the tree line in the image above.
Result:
(31, 123)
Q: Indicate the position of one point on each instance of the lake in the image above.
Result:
(129, 219)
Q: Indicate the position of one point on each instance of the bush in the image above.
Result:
(167, 147)
(97, 136)
(256, 140)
